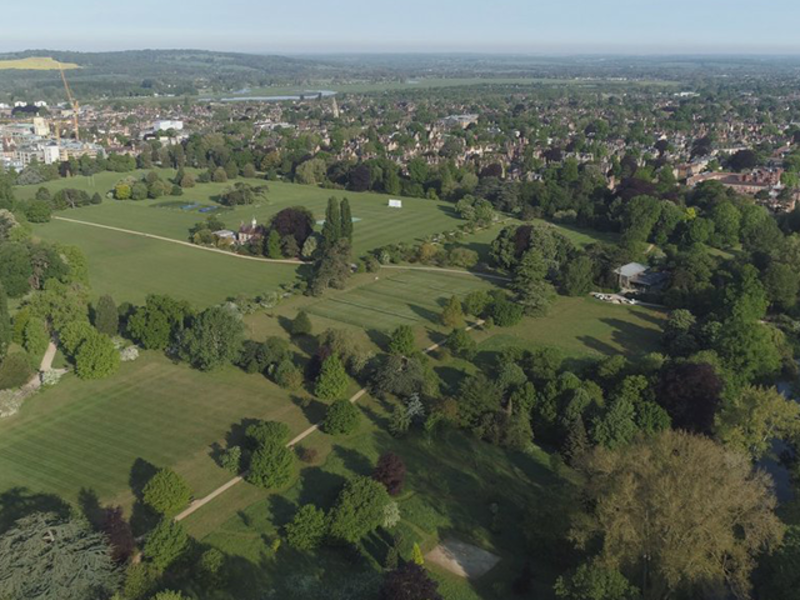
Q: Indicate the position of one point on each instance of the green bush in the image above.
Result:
(307, 529)
(343, 418)
(271, 467)
(166, 543)
(15, 371)
(167, 493)
(332, 381)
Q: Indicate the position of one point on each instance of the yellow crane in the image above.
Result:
(73, 103)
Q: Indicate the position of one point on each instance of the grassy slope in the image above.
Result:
(129, 267)
(89, 434)
(379, 224)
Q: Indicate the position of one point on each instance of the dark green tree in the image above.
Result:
(301, 324)
(401, 342)
(166, 543)
(332, 381)
(347, 221)
(167, 492)
(307, 529)
(452, 314)
(342, 418)
(358, 510)
(106, 316)
(45, 556)
(214, 339)
(332, 228)
(5, 323)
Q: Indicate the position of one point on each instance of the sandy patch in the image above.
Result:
(462, 559)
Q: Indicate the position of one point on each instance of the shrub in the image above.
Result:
(343, 418)
(15, 371)
(231, 459)
(307, 529)
(166, 543)
(359, 509)
(271, 466)
(267, 433)
(167, 492)
(332, 381)
(402, 341)
(287, 375)
(96, 357)
(391, 472)
(302, 324)
(461, 344)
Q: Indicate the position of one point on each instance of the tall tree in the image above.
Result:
(679, 513)
(106, 316)
(409, 582)
(214, 339)
(347, 221)
(5, 323)
(45, 556)
(332, 228)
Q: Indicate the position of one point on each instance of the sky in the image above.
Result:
(382, 26)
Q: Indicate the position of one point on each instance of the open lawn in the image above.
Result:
(89, 435)
(582, 327)
(35, 63)
(129, 267)
(377, 224)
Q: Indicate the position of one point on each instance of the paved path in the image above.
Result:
(161, 238)
(201, 502)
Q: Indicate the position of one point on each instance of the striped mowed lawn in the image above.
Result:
(128, 267)
(396, 298)
(377, 224)
(88, 435)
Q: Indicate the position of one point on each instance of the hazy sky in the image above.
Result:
(309, 26)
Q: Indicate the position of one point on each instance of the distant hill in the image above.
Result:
(35, 63)
(149, 72)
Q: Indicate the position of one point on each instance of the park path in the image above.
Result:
(201, 502)
(280, 261)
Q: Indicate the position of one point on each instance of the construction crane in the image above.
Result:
(73, 103)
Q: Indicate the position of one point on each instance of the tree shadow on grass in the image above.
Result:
(313, 410)
(89, 503)
(425, 313)
(281, 509)
(319, 487)
(142, 471)
(20, 502)
(379, 420)
(353, 460)
(597, 345)
(237, 434)
(379, 338)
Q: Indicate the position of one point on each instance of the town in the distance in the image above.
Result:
(399, 326)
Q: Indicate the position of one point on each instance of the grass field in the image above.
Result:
(35, 63)
(129, 267)
(89, 434)
(583, 327)
(378, 225)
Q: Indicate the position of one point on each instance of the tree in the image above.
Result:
(271, 466)
(301, 324)
(679, 513)
(756, 417)
(779, 578)
(332, 381)
(166, 543)
(219, 175)
(401, 342)
(577, 279)
(391, 472)
(154, 324)
(417, 556)
(167, 492)
(409, 582)
(44, 556)
(743, 160)
(453, 314)
(307, 529)
(690, 393)
(782, 285)
(5, 323)
(332, 270)
(214, 339)
(533, 292)
(461, 344)
(15, 269)
(347, 221)
(106, 316)
(119, 534)
(96, 357)
(592, 581)
(358, 509)
(342, 418)
(332, 228)
(273, 245)
(169, 595)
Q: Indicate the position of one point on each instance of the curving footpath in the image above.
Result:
(201, 502)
